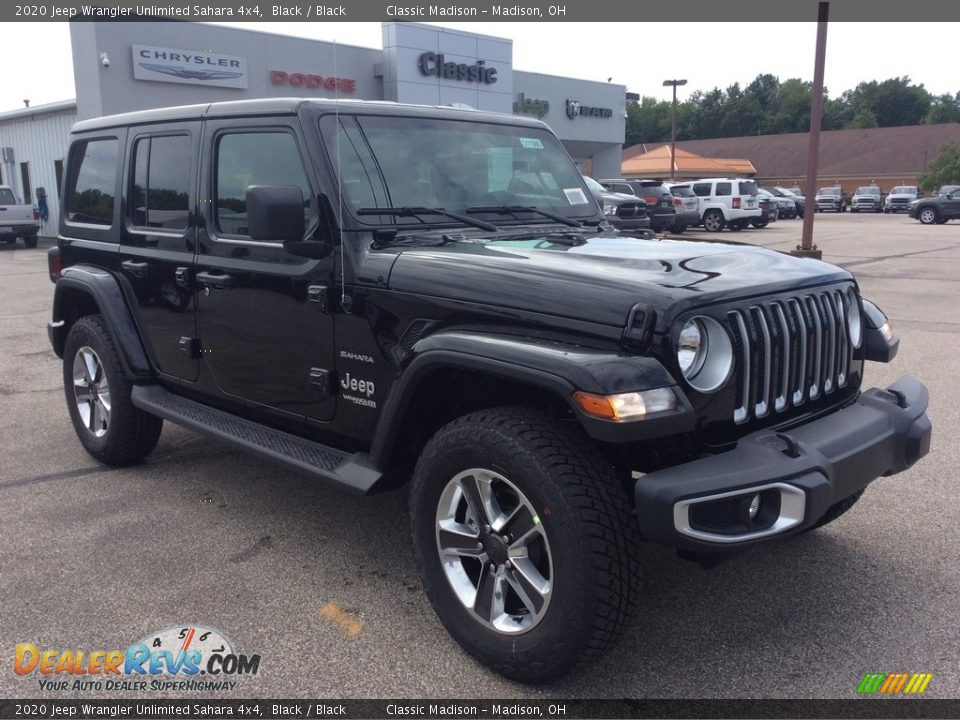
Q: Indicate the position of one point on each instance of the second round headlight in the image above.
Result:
(704, 354)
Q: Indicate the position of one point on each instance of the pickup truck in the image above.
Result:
(17, 220)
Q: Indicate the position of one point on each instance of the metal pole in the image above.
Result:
(806, 247)
(673, 127)
(673, 137)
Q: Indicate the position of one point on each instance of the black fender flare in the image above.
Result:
(106, 292)
(554, 367)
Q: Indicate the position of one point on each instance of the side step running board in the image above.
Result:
(352, 472)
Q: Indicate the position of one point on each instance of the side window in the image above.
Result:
(256, 158)
(160, 196)
(724, 188)
(91, 181)
(702, 189)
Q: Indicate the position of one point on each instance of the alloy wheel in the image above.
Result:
(494, 551)
(91, 391)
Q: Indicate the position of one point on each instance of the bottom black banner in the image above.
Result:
(473, 709)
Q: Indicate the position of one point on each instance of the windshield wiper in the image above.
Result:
(514, 209)
(417, 211)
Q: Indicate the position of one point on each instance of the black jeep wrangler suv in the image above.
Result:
(377, 294)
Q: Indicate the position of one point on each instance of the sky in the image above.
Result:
(638, 55)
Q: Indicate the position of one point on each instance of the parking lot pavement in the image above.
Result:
(96, 558)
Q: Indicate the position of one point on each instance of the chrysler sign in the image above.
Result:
(192, 67)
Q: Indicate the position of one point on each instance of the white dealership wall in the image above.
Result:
(38, 137)
(122, 67)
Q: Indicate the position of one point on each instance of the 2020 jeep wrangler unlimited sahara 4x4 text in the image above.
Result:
(374, 293)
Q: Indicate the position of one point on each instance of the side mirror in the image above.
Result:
(275, 212)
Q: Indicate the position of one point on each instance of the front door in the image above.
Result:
(158, 239)
(265, 332)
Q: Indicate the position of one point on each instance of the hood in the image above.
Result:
(619, 198)
(601, 280)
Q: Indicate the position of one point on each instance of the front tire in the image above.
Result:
(928, 216)
(109, 426)
(524, 540)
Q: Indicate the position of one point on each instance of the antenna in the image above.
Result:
(336, 114)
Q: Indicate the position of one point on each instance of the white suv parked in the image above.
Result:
(727, 202)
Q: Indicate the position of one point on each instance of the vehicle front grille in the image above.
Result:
(631, 210)
(789, 351)
(898, 201)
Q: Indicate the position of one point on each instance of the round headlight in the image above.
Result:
(689, 347)
(854, 321)
(704, 354)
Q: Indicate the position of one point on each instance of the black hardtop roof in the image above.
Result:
(291, 106)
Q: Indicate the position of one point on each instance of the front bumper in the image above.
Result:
(641, 223)
(801, 472)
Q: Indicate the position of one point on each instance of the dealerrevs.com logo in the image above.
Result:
(185, 657)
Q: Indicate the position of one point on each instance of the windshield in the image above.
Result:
(6, 197)
(868, 191)
(787, 193)
(904, 190)
(830, 191)
(595, 187)
(451, 164)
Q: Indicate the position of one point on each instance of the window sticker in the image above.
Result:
(575, 196)
(531, 143)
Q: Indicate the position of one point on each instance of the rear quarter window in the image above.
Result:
(92, 182)
(724, 188)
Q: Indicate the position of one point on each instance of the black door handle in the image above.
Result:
(218, 281)
(137, 269)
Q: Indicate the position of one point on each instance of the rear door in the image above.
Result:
(265, 329)
(158, 240)
(952, 205)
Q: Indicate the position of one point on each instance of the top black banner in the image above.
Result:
(478, 10)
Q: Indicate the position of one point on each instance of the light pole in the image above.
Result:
(673, 129)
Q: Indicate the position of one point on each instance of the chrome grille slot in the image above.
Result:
(762, 406)
(788, 351)
(817, 355)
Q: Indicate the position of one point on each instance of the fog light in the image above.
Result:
(754, 507)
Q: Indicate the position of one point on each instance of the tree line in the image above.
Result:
(768, 106)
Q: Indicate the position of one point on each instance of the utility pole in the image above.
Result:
(806, 248)
(673, 130)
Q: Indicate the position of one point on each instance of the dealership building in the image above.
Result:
(123, 67)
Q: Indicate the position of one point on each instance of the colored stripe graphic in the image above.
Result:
(894, 683)
(871, 683)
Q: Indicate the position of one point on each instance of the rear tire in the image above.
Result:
(109, 426)
(713, 221)
(836, 511)
(582, 554)
(30, 241)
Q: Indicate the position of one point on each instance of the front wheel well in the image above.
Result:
(445, 394)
